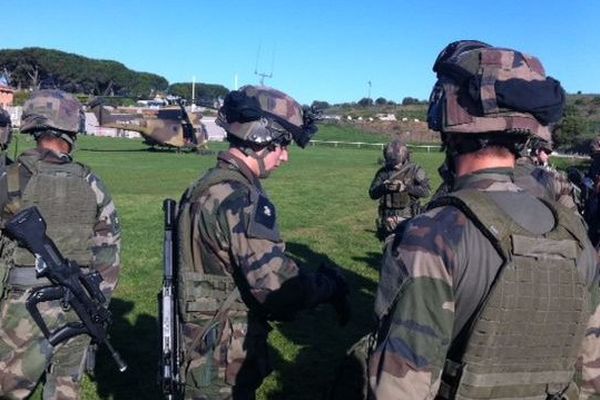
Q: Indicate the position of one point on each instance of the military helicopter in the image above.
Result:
(169, 126)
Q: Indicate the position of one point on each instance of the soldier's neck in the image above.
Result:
(54, 144)
(250, 162)
(469, 163)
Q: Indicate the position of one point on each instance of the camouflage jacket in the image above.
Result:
(545, 182)
(594, 171)
(423, 302)
(236, 234)
(415, 179)
(106, 232)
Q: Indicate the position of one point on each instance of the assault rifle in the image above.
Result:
(584, 189)
(398, 173)
(75, 290)
(171, 356)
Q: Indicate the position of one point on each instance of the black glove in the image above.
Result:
(339, 298)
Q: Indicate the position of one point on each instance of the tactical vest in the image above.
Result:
(524, 178)
(64, 198)
(400, 200)
(204, 286)
(524, 338)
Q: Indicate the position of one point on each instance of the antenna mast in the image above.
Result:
(263, 75)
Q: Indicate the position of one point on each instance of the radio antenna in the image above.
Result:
(263, 75)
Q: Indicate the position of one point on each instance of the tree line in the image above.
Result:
(37, 68)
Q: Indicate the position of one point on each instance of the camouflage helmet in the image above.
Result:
(484, 89)
(595, 145)
(52, 110)
(261, 115)
(5, 129)
(395, 152)
(538, 144)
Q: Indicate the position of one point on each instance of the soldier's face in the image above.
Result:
(275, 157)
(543, 157)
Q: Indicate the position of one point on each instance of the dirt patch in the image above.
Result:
(410, 131)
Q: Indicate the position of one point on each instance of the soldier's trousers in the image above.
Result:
(25, 354)
(233, 365)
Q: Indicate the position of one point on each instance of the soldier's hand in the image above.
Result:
(395, 186)
(339, 298)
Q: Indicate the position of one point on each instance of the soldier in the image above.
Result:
(539, 153)
(594, 172)
(487, 295)
(534, 174)
(5, 138)
(398, 185)
(234, 275)
(591, 186)
(5, 130)
(82, 221)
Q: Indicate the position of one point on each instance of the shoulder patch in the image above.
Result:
(263, 221)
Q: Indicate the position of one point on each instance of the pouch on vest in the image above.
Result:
(351, 380)
(524, 339)
(200, 294)
(68, 205)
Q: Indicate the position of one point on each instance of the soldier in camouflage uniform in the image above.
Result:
(5, 138)
(234, 275)
(5, 129)
(491, 293)
(398, 185)
(534, 174)
(591, 187)
(82, 221)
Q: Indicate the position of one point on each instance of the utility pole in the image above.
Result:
(193, 92)
(263, 75)
(369, 92)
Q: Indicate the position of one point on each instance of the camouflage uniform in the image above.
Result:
(5, 138)
(25, 354)
(5, 129)
(591, 206)
(493, 292)
(545, 182)
(398, 185)
(234, 275)
(431, 299)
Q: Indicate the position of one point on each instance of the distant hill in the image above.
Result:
(581, 122)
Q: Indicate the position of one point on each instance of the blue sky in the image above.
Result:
(323, 50)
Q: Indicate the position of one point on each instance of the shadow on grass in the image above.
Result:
(112, 150)
(323, 343)
(138, 345)
(151, 150)
(371, 258)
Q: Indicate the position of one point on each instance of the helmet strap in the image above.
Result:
(463, 144)
(259, 158)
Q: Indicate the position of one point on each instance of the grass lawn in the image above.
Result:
(324, 214)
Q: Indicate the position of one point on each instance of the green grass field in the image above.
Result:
(324, 214)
